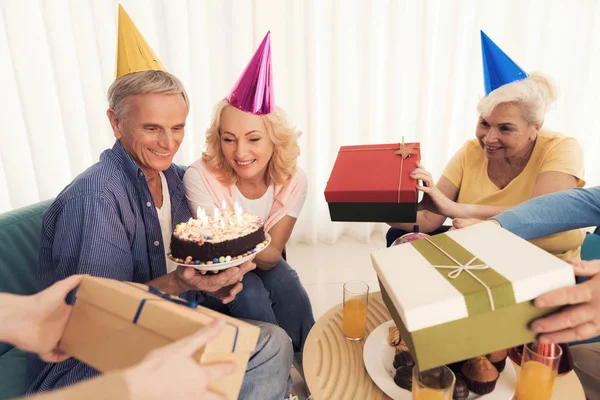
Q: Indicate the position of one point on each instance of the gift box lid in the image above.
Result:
(132, 301)
(425, 296)
(372, 173)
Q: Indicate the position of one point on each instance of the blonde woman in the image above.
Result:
(251, 160)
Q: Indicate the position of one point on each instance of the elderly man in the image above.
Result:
(115, 219)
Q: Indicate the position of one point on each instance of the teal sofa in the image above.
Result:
(19, 247)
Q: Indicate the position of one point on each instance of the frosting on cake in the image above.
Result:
(226, 226)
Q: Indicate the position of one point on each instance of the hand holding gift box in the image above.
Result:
(115, 325)
(371, 183)
(461, 294)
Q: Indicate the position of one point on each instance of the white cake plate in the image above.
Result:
(378, 357)
(228, 264)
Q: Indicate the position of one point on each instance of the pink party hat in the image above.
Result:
(253, 92)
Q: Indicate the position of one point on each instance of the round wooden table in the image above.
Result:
(334, 369)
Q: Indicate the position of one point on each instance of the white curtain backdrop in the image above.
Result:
(347, 72)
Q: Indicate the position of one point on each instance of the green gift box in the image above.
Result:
(467, 292)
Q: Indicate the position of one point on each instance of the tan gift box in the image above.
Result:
(114, 325)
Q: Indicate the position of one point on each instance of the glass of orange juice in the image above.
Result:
(539, 367)
(356, 299)
(433, 384)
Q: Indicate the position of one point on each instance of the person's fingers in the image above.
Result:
(424, 189)
(420, 174)
(458, 223)
(568, 318)
(247, 266)
(581, 332)
(61, 288)
(192, 343)
(587, 268)
(214, 282)
(418, 171)
(575, 294)
(232, 293)
(54, 356)
(188, 273)
(464, 222)
(213, 372)
(228, 277)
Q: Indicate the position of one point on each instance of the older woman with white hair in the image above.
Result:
(512, 159)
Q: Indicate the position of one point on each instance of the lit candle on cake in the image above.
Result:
(225, 214)
(238, 213)
(201, 217)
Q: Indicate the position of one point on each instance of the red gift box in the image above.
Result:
(371, 183)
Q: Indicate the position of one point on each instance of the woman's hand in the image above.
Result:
(170, 372)
(434, 200)
(37, 322)
(580, 320)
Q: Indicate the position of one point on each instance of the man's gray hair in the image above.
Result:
(143, 82)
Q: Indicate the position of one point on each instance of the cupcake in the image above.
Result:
(403, 359)
(456, 367)
(401, 346)
(403, 377)
(498, 359)
(461, 391)
(480, 375)
(393, 336)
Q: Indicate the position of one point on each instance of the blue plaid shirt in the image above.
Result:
(104, 224)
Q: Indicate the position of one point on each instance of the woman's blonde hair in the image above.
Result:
(284, 136)
(143, 82)
(534, 94)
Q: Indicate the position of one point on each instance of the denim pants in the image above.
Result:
(275, 296)
(268, 373)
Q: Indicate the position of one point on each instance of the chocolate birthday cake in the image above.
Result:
(216, 239)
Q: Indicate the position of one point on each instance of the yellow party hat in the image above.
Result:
(133, 52)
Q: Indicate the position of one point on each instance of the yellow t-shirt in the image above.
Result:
(468, 171)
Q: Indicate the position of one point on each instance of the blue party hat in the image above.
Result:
(498, 68)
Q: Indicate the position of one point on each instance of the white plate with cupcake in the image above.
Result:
(382, 355)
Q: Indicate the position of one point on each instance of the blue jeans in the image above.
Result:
(268, 373)
(278, 297)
